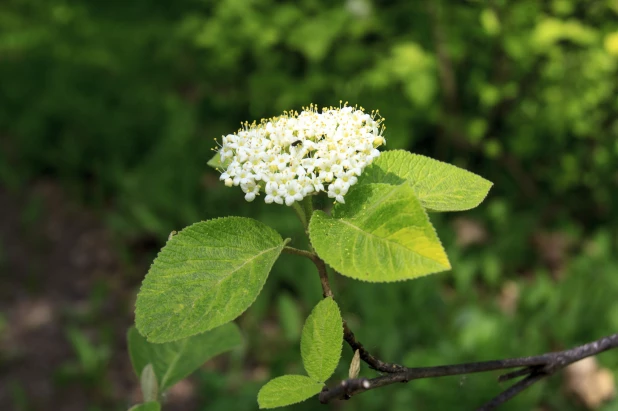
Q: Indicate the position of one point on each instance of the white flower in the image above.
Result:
(301, 154)
(347, 177)
(337, 190)
(316, 183)
(293, 192)
(251, 190)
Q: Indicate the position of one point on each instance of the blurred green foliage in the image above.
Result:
(120, 101)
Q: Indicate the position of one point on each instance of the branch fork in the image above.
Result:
(533, 369)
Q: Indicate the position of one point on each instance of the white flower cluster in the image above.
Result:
(295, 155)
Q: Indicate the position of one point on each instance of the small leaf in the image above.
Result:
(174, 361)
(286, 390)
(147, 406)
(438, 186)
(215, 162)
(149, 384)
(321, 341)
(355, 365)
(380, 234)
(205, 276)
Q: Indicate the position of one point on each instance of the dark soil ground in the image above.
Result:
(63, 282)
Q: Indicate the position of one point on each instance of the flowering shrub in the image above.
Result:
(211, 272)
(294, 155)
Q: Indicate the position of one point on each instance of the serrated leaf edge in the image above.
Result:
(340, 344)
(412, 183)
(388, 281)
(174, 238)
(291, 403)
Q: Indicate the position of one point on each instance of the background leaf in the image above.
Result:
(289, 316)
(380, 234)
(439, 186)
(174, 361)
(147, 406)
(286, 390)
(321, 340)
(205, 276)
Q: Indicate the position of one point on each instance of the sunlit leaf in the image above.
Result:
(286, 390)
(380, 234)
(205, 276)
(321, 340)
(438, 186)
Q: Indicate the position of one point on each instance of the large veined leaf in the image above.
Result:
(321, 340)
(205, 276)
(286, 390)
(174, 361)
(380, 234)
(438, 186)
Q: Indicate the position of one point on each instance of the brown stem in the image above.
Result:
(320, 265)
(348, 335)
(536, 368)
(372, 361)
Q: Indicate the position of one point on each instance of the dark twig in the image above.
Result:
(372, 361)
(346, 391)
(512, 391)
(345, 387)
(516, 374)
(536, 368)
(348, 335)
(320, 265)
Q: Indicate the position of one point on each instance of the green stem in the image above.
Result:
(300, 212)
(303, 210)
(308, 207)
(303, 253)
(319, 264)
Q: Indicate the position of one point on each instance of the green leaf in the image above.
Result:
(205, 276)
(286, 390)
(147, 406)
(438, 186)
(215, 162)
(174, 361)
(321, 340)
(380, 234)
